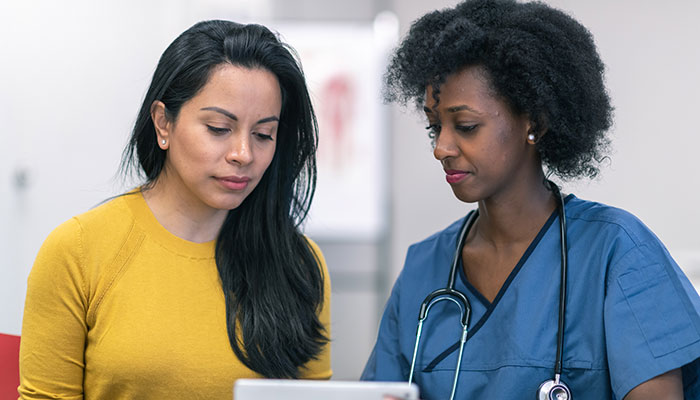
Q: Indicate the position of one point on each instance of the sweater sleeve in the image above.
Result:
(54, 326)
(321, 367)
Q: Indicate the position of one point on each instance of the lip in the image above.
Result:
(453, 176)
(233, 182)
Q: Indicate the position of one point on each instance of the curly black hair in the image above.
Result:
(540, 61)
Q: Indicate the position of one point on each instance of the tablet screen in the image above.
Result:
(275, 389)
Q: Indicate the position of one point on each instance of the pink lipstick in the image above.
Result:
(453, 176)
(234, 182)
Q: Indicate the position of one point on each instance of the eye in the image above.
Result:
(433, 130)
(466, 128)
(263, 136)
(217, 131)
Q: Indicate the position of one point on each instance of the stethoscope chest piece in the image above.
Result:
(551, 390)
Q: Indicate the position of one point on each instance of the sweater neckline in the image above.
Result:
(148, 222)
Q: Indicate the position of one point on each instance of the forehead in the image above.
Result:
(238, 86)
(470, 85)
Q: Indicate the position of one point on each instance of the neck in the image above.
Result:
(183, 214)
(517, 215)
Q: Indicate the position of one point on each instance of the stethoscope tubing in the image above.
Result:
(558, 366)
(450, 293)
(447, 293)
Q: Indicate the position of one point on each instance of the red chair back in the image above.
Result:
(9, 366)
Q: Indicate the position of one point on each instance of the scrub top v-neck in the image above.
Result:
(613, 339)
(481, 307)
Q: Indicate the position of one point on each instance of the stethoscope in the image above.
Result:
(552, 389)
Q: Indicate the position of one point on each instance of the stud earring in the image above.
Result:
(163, 141)
(530, 137)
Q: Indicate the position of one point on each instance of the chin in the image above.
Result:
(465, 197)
(231, 205)
(227, 203)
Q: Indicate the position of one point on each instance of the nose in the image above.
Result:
(240, 151)
(444, 146)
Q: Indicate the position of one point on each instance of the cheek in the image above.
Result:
(509, 143)
(189, 155)
(201, 148)
(266, 156)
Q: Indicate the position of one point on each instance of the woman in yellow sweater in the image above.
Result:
(200, 276)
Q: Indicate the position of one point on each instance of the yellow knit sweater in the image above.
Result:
(119, 308)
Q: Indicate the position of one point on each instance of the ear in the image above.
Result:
(530, 134)
(161, 123)
(536, 128)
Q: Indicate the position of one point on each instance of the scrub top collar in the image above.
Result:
(490, 306)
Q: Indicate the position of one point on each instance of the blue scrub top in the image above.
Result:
(631, 315)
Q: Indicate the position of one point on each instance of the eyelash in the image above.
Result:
(263, 136)
(434, 129)
(466, 128)
(217, 131)
(222, 131)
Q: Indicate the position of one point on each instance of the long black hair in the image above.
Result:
(272, 281)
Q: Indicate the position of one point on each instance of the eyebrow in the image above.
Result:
(453, 109)
(233, 116)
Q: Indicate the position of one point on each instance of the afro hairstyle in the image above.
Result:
(539, 60)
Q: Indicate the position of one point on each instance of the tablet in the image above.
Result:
(275, 389)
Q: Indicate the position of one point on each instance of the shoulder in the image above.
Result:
(439, 241)
(434, 254)
(619, 238)
(447, 234)
(316, 251)
(318, 255)
(314, 247)
(649, 304)
(111, 216)
(598, 221)
(89, 239)
(92, 226)
(106, 227)
(78, 246)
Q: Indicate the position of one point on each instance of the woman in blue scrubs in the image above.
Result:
(514, 94)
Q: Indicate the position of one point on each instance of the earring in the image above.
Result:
(530, 137)
(163, 141)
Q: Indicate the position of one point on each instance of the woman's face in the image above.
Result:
(481, 144)
(223, 138)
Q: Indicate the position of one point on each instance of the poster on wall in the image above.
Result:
(343, 64)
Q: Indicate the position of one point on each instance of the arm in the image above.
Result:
(385, 363)
(651, 326)
(668, 386)
(54, 328)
